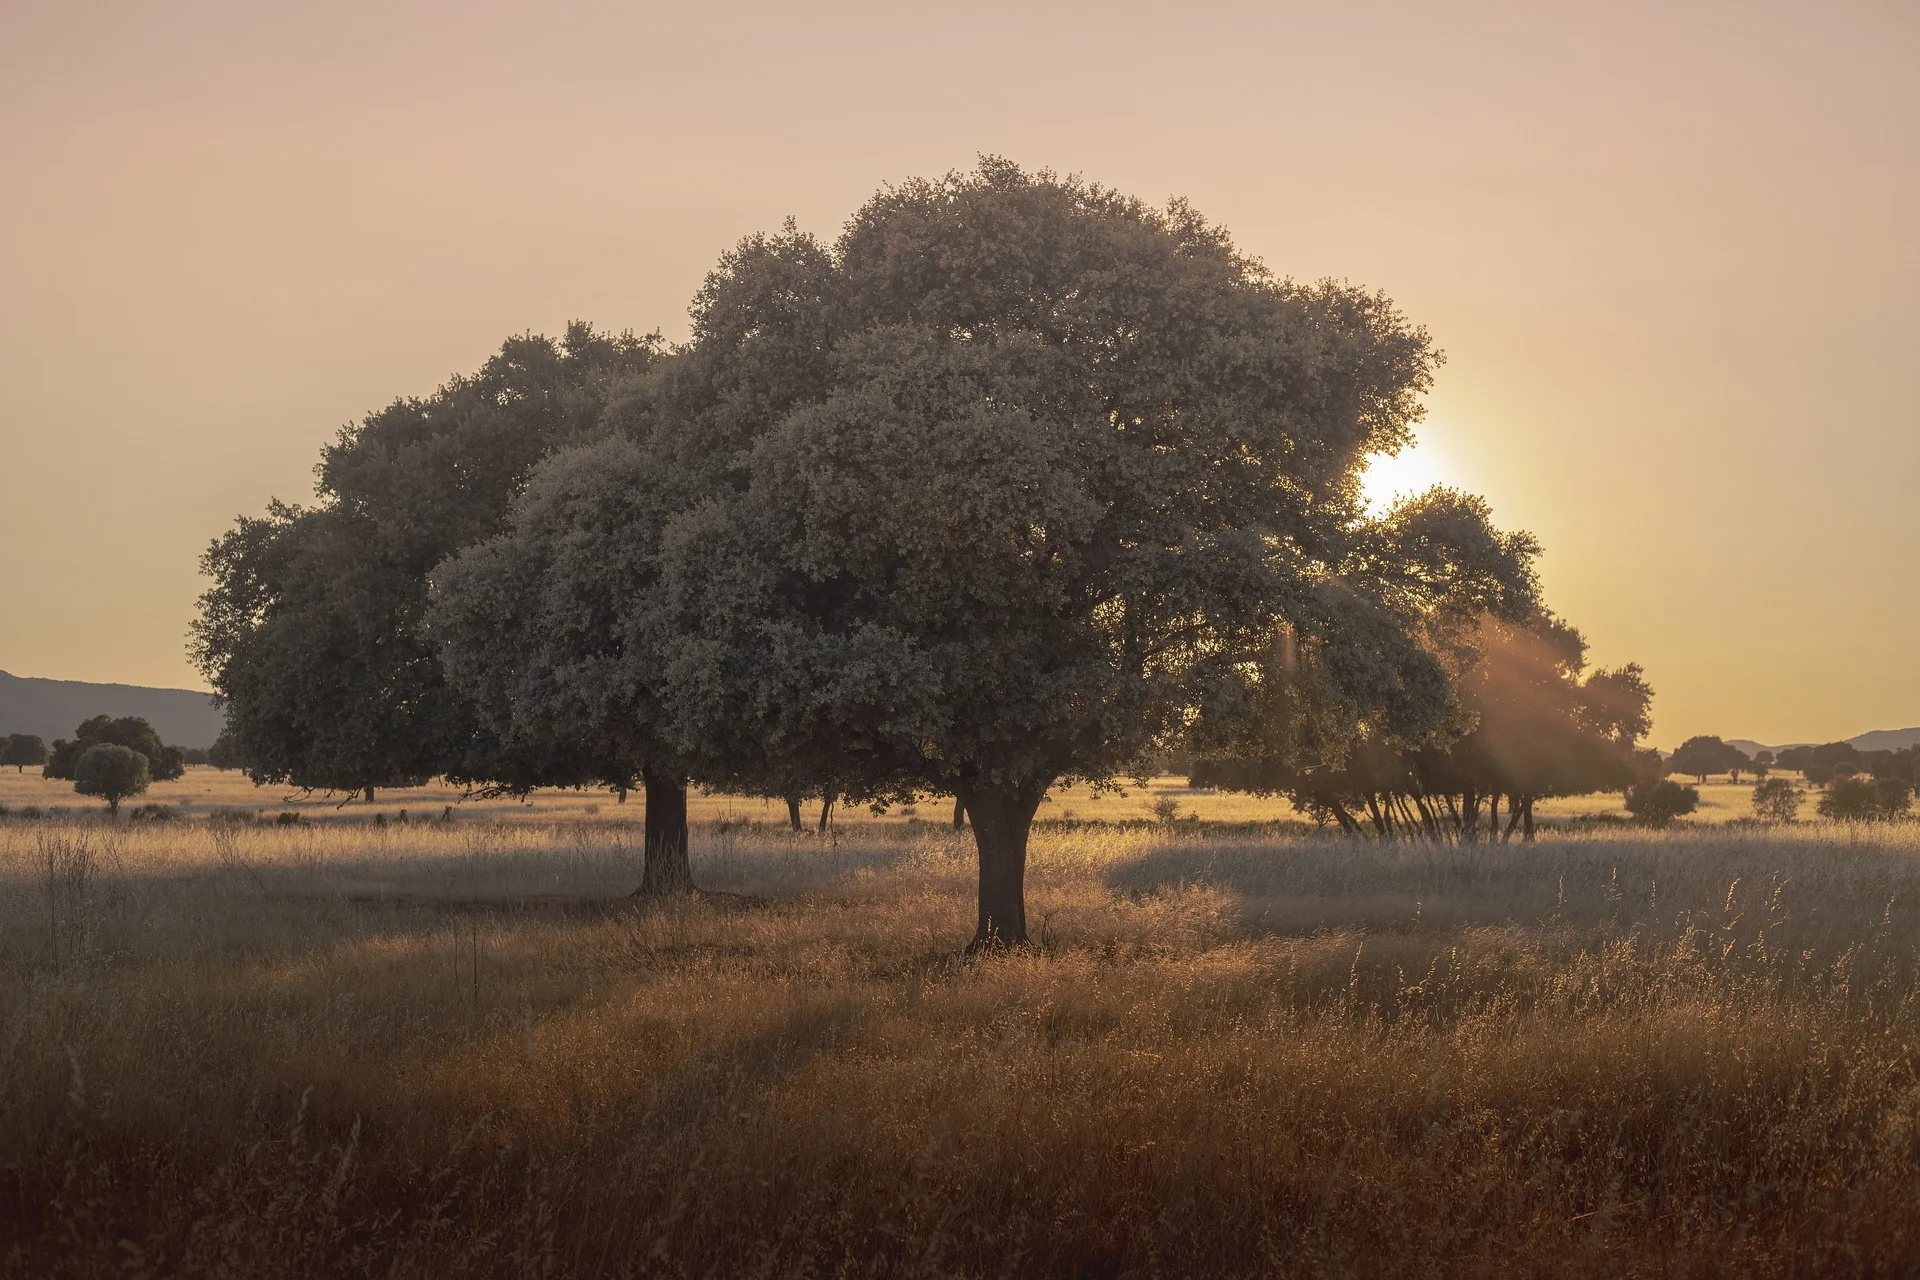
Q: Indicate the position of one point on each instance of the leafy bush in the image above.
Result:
(1658, 803)
(1858, 798)
(1777, 800)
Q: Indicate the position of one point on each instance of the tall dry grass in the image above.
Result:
(460, 1050)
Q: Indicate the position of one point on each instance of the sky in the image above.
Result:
(1669, 250)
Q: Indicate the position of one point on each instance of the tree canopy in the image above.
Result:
(311, 634)
(111, 772)
(1078, 470)
(132, 732)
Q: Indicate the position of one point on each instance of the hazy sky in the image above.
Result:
(1671, 252)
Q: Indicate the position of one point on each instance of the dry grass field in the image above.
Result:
(457, 1048)
(204, 791)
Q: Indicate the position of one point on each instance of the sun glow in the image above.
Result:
(1415, 469)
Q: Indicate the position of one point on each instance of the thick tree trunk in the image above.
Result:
(1493, 817)
(369, 795)
(621, 792)
(826, 813)
(1346, 820)
(793, 812)
(1002, 816)
(1470, 816)
(1516, 806)
(666, 869)
(1526, 820)
(959, 814)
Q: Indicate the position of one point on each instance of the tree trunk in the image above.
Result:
(1516, 806)
(1526, 820)
(369, 795)
(793, 812)
(1002, 816)
(666, 869)
(1493, 816)
(826, 813)
(1380, 827)
(621, 792)
(959, 814)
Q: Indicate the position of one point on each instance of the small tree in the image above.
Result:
(111, 772)
(1776, 800)
(1658, 803)
(23, 749)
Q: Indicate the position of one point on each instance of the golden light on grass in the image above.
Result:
(435, 1049)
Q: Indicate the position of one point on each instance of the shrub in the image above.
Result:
(1819, 774)
(1658, 803)
(1776, 800)
(1855, 797)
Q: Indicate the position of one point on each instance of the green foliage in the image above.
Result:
(132, 732)
(1534, 727)
(1861, 798)
(1776, 800)
(21, 750)
(311, 633)
(224, 753)
(1657, 802)
(1080, 470)
(111, 772)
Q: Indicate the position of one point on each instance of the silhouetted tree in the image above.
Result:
(111, 772)
(1776, 800)
(132, 732)
(21, 750)
(1703, 755)
(1657, 802)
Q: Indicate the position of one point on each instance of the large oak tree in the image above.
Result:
(1080, 467)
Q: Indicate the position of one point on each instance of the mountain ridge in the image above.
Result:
(1872, 740)
(53, 708)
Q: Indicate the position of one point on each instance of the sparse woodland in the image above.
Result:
(1018, 485)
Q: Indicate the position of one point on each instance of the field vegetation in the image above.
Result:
(336, 1048)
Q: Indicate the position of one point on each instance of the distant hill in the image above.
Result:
(52, 708)
(1876, 740)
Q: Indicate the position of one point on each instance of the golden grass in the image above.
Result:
(458, 1049)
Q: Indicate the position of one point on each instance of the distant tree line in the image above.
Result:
(1018, 482)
